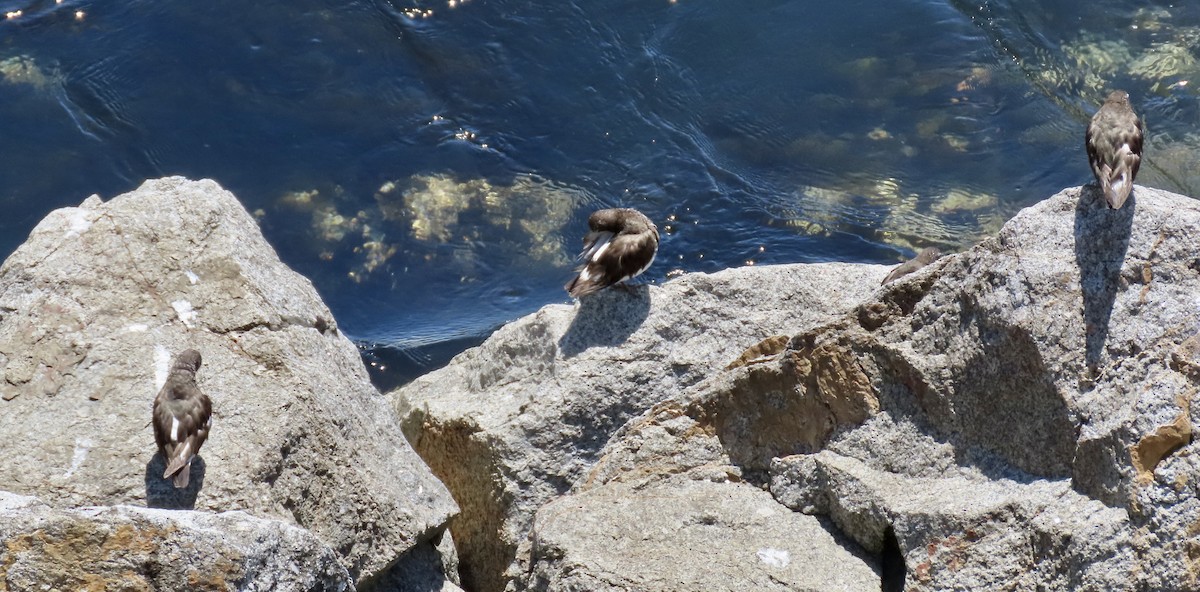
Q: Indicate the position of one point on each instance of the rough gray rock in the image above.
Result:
(782, 396)
(131, 548)
(1064, 349)
(96, 301)
(684, 534)
(1039, 385)
(1068, 311)
(1015, 416)
(967, 533)
(514, 423)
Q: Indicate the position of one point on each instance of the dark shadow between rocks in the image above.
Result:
(420, 569)
(161, 493)
(1101, 240)
(892, 571)
(606, 318)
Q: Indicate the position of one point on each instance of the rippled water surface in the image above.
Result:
(430, 165)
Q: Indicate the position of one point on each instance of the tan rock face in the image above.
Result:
(93, 306)
(786, 405)
(1152, 448)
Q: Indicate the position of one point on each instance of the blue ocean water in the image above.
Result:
(431, 165)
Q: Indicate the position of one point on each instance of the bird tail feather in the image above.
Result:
(1117, 185)
(181, 478)
(180, 456)
(580, 286)
(179, 465)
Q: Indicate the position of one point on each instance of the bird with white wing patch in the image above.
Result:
(621, 244)
(1114, 147)
(182, 417)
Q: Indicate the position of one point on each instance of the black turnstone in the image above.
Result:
(1114, 147)
(621, 245)
(925, 257)
(182, 417)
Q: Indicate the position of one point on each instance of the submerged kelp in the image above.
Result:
(521, 219)
(25, 70)
(445, 159)
(1074, 54)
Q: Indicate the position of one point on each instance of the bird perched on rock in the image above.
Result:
(182, 417)
(621, 245)
(1114, 147)
(925, 257)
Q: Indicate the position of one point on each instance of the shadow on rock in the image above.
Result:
(1101, 240)
(1007, 384)
(161, 493)
(606, 318)
(420, 569)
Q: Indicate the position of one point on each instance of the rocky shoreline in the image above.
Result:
(1016, 416)
(92, 307)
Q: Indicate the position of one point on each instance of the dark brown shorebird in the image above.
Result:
(925, 257)
(1114, 147)
(621, 244)
(182, 417)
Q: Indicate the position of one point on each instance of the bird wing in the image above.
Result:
(185, 425)
(593, 243)
(633, 254)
